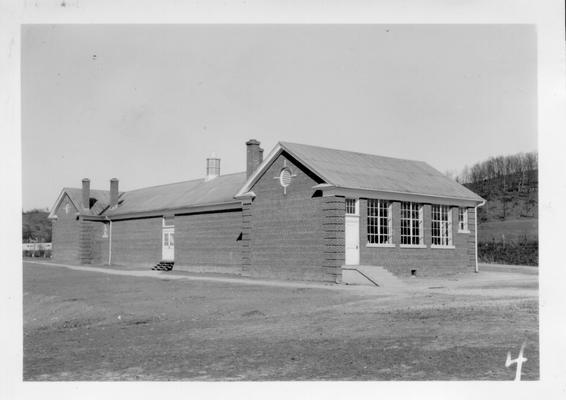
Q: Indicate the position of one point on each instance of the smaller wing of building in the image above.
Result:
(196, 222)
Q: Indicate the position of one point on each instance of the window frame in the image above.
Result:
(414, 207)
(464, 222)
(168, 222)
(444, 226)
(285, 177)
(356, 207)
(379, 205)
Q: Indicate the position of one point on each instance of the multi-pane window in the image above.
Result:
(463, 220)
(411, 223)
(168, 239)
(351, 206)
(441, 225)
(379, 222)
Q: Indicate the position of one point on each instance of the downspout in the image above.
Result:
(476, 234)
(476, 241)
(109, 241)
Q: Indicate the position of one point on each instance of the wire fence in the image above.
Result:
(37, 250)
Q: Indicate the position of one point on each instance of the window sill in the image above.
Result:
(380, 245)
(464, 231)
(434, 246)
(413, 246)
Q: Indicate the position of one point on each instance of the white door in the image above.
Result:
(168, 241)
(352, 233)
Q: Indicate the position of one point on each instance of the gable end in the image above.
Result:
(279, 150)
(61, 203)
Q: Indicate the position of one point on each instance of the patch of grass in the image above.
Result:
(508, 230)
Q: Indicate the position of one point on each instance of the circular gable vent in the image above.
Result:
(285, 177)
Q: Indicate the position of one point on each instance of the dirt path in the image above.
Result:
(87, 325)
(147, 273)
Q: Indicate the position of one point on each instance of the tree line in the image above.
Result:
(513, 171)
(36, 227)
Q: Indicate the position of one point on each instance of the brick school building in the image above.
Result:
(301, 213)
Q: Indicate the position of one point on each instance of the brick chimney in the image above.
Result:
(254, 156)
(86, 193)
(114, 192)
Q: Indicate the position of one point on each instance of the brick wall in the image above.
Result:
(333, 236)
(426, 261)
(100, 243)
(86, 240)
(65, 236)
(209, 240)
(284, 236)
(136, 241)
(246, 237)
(93, 243)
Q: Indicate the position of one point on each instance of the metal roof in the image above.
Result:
(180, 195)
(352, 170)
(342, 169)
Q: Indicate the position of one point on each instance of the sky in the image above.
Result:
(148, 104)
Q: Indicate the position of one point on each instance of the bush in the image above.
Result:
(522, 252)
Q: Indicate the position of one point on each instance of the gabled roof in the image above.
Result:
(102, 198)
(181, 195)
(336, 168)
(368, 172)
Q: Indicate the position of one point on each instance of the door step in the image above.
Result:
(163, 266)
(371, 275)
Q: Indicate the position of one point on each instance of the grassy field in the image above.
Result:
(82, 325)
(510, 230)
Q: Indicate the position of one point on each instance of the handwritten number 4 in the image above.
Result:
(520, 360)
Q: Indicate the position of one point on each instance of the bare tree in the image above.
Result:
(514, 170)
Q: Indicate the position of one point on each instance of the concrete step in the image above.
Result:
(163, 266)
(371, 275)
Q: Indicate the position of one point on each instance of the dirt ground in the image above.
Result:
(84, 325)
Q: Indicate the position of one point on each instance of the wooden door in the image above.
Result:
(168, 242)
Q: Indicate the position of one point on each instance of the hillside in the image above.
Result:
(511, 210)
(508, 222)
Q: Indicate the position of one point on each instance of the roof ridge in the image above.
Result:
(353, 152)
(179, 182)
